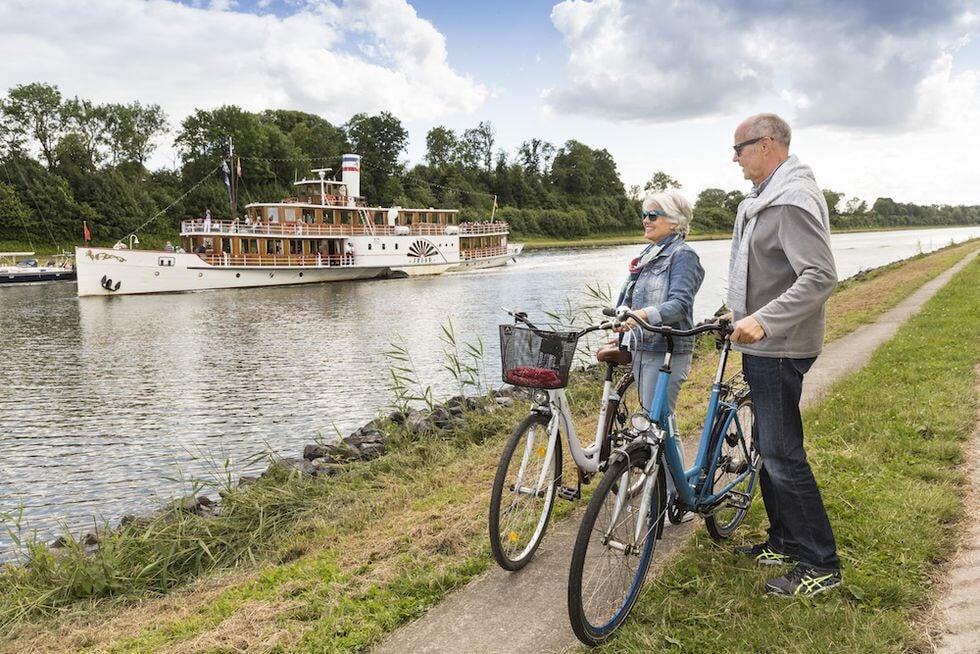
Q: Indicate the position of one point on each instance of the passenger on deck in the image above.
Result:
(169, 247)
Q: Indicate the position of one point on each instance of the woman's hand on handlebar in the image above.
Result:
(630, 324)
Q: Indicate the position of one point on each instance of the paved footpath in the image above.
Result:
(526, 611)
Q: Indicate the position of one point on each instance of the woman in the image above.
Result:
(661, 288)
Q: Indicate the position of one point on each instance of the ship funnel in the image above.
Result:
(351, 176)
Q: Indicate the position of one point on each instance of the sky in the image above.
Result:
(883, 95)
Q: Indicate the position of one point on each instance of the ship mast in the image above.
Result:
(233, 183)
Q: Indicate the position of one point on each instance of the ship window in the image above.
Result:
(369, 246)
(345, 218)
(166, 262)
(309, 216)
(273, 213)
(295, 247)
(382, 246)
(289, 214)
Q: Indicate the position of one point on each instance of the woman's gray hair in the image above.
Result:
(676, 206)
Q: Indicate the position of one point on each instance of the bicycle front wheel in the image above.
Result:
(738, 455)
(523, 493)
(614, 549)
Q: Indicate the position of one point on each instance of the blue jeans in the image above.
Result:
(646, 371)
(798, 523)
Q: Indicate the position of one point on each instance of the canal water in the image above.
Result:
(114, 405)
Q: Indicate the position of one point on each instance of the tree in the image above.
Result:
(89, 122)
(380, 140)
(661, 181)
(35, 111)
(833, 199)
(535, 156)
(441, 146)
(478, 145)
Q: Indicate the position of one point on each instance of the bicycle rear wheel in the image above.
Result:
(609, 562)
(738, 455)
(521, 499)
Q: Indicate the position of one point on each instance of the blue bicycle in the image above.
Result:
(625, 516)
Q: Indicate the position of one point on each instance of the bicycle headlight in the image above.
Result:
(540, 397)
(640, 422)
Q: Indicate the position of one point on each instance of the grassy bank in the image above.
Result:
(332, 564)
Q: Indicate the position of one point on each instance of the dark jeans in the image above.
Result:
(798, 523)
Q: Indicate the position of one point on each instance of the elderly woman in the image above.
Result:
(661, 287)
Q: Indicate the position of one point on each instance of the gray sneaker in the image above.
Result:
(765, 554)
(804, 581)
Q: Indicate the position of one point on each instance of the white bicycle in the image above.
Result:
(529, 476)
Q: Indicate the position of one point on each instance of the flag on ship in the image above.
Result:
(88, 234)
(227, 171)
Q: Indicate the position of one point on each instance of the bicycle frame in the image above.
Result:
(688, 482)
(588, 459)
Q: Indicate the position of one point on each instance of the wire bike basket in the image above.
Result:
(536, 359)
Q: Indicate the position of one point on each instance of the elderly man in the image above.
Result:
(781, 274)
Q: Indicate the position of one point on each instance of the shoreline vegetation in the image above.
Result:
(293, 562)
(596, 240)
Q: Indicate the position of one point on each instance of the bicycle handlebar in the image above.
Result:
(521, 316)
(624, 312)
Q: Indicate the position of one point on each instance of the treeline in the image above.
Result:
(68, 160)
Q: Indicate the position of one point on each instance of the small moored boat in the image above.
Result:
(15, 269)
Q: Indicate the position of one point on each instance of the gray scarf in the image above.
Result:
(792, 183)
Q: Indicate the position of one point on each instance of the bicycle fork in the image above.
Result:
(649, 475)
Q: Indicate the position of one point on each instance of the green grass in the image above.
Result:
(884, 447)
(333, 564)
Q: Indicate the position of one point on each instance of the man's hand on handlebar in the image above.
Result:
(747, 331)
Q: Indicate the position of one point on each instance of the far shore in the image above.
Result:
(529, 242)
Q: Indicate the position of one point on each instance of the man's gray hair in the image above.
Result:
(676, 206)
(770, 125)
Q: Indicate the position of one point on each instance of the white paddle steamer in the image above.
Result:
(324, 233)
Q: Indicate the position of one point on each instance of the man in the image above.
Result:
(781, 274)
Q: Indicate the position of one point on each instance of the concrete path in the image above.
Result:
(526, 611)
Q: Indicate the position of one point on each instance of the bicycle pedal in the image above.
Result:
(739, 500)
(569, 493)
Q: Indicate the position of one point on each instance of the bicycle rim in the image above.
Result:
(521, 499)
(738, 450)
(609, 563)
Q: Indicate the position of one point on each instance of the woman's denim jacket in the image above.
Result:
(666, 288)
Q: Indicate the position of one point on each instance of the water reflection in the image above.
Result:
(108, 402)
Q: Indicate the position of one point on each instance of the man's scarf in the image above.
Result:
(792, 184)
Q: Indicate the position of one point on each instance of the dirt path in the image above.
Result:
(525, 612)
(960, 608)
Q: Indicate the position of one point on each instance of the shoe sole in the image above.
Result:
(780, 593)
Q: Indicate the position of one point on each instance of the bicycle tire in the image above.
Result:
(618, 412)
(734, 450)
(604, 581)
(518, 520)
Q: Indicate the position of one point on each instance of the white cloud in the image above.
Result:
(857, 63)
(188, 57)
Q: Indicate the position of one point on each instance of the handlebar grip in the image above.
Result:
(609, 311)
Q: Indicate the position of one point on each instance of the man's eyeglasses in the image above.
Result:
(738, 147)
(652, 215)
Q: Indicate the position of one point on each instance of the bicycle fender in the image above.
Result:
(631, 450)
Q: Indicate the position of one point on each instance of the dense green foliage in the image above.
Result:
(67, 160)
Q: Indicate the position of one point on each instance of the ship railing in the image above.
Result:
(227, 260)
(483, 253)
(472, 229)
(219, 228)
